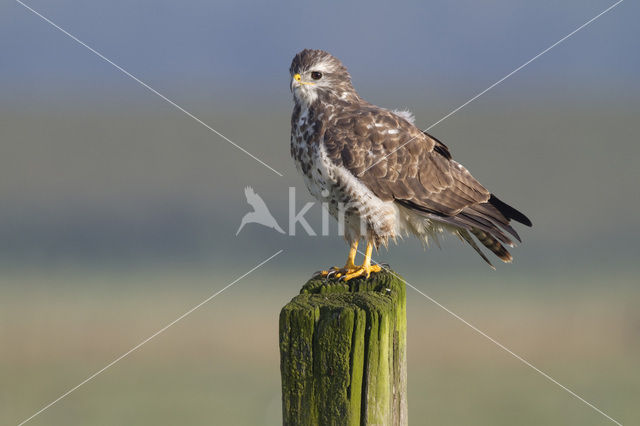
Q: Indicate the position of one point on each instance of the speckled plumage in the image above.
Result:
(392, 177)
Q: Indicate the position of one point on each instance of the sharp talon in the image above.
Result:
(326, 273)
(350, 270)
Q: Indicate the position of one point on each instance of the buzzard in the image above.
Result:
(381, 173)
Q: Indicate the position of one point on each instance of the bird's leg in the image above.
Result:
(353, 250)
(366, 268)
(350, 266)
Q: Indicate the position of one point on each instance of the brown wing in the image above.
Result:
(397, 161)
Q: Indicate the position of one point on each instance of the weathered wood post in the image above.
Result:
(343, 353)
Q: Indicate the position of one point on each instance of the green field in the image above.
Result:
(220, 364)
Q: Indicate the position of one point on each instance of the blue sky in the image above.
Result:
(246, 47)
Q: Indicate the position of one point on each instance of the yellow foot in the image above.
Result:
(336, 272)
(361, 271)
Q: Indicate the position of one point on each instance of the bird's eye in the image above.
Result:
(316, 75)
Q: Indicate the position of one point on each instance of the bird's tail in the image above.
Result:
(464, 234)
(489, 222)
(492, 244)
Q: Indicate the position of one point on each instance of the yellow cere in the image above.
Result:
(298, 78)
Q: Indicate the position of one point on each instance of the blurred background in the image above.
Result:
(119, 212)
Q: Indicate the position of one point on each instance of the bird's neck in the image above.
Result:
(328, 104)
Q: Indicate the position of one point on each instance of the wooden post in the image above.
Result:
(343, 353)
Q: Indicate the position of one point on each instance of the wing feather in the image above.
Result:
(371, 143)
(399, 162)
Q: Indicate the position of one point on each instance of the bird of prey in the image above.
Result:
(260, 213)
(386, 176)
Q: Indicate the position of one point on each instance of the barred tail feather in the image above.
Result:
(464, 234)
(486, 222)
(492, 244)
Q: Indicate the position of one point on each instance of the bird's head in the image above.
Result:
(317, 74)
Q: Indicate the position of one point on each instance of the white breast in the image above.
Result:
(364, 213)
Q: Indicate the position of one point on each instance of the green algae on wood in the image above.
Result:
(343, 353)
